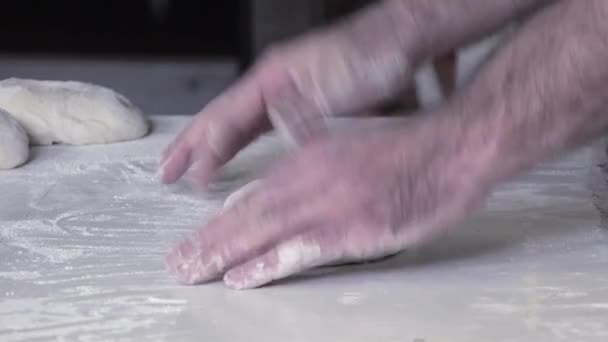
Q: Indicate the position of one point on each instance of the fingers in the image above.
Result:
(221, 141)
(174, 163)
(293, 256)
(217, 133)
(248, 229)
(295, 113)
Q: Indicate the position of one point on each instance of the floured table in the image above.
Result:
(83, 233)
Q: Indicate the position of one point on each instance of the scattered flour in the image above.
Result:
(83, 233)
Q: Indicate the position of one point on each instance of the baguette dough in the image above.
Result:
(71, 112)
(14, 143)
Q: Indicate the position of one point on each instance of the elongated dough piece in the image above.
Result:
(14, 143)
(71, 112)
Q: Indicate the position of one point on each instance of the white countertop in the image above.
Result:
(83, 232)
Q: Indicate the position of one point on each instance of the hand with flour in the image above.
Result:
(297, 84)
(342, 70)
(343, 198)
(364, 196)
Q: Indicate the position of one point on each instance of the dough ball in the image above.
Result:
(14, 143)
(71, 112)
(241, 193)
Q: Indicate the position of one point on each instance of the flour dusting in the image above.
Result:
(84, 225)
(84, 232)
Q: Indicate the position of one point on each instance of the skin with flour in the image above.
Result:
(345, 197)
(346, 68)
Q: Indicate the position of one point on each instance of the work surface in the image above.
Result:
(83, 232)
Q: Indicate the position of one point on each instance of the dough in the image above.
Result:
(71, 112)
(14, 143)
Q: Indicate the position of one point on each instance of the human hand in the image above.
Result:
(343, 70)
(340, 199)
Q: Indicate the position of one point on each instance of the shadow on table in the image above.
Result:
(493, 238)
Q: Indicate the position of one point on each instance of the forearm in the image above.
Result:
(422, 29)
(545, 92)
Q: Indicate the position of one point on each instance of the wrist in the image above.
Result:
(386, 30)
(458, 144)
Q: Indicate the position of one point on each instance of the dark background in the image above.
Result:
(168, 56)
(122, 27)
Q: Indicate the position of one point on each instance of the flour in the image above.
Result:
(84, 223)
(291, 256)
(23, 275)
(498, 308)
(294, 254)
(84, 231)
(351, 298)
